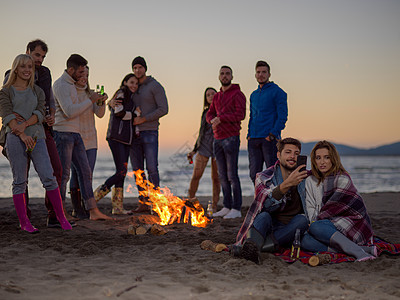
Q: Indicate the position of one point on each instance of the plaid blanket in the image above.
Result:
(346, 209)
(383, 247)
(265, 182)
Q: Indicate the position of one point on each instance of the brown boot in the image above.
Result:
(117, 196)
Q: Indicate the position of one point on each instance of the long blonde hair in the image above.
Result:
(337, 167)
(20, 60)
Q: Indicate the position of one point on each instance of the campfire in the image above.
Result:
(168, 207)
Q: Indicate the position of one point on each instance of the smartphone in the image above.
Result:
(302, 160)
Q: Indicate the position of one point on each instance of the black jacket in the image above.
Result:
(122, 130)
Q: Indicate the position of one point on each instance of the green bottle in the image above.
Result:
(35, 136)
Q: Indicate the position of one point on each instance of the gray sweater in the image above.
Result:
(152, 101)
(8, 107)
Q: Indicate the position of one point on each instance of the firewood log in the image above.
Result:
(319, 259)
(215, 247)
(132, 230)
(158, 230)
(142, 229)
(138, 229)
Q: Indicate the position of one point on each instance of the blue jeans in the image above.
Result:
(74, 181)
(226, 153)
(283, 234)
(19, 159)
(260, 151)
(318, 236)
(145, 147)
(120, 153)
(71, 150)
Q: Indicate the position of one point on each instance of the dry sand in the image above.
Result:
(99, 260)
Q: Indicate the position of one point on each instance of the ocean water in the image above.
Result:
(369, 173)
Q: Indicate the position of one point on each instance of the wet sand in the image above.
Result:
(99, 260)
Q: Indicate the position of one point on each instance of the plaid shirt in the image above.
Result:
(265, 183)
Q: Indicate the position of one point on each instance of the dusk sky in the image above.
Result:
(339, 61)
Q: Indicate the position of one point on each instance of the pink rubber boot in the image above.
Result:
(55, 199)
(20, 207)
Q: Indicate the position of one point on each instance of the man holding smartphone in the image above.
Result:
(268, 116)
(278, 209)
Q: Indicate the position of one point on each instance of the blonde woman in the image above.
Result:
(20, 96)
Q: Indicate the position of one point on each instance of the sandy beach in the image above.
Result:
(99, 260)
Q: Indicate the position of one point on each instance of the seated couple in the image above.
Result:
(285, 201)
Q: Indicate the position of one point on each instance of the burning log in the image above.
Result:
(210, 245)
(168, 207)
(319, 259)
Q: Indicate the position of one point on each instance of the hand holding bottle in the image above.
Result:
(28, 141)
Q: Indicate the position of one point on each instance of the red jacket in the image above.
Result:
(230, 107)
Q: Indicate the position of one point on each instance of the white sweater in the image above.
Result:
(68, 106)
(314, 194)
(86, 120)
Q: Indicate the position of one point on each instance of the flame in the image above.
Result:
(168, 207)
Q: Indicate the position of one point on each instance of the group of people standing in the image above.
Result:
(219, 135)
(324, 206)
(54, 127)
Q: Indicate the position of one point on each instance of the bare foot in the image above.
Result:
(96, 214)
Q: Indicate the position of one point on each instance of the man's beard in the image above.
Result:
(262, 83)
(285, 166)
(226, 84)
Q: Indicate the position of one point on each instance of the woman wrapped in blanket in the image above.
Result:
(20, 100)
(337, 213)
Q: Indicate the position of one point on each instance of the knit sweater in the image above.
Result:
(68, 106)
(314, 194)
(9, 105)
(86, 119)
(152, 101)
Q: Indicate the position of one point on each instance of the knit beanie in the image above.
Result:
(139, 61)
